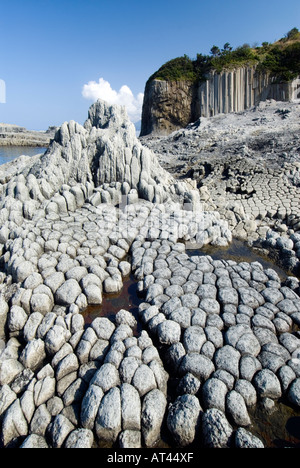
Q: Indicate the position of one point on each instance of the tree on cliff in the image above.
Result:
(227, 47)
(215, 51)
(292, 34)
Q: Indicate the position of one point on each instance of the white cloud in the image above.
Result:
(102, 90)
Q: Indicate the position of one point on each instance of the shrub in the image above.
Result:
(283, 62)
(281, 59)
(180, 68)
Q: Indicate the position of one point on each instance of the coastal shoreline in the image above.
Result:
(217, 337)
(14, 135)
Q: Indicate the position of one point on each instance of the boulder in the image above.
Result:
(216, 430)
(184, 419)
(67, 293)
(152, 416)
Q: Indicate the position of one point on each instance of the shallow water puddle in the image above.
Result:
(238, 251)
(279, 429)
(127, 299)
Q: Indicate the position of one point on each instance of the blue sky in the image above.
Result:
(50, 49)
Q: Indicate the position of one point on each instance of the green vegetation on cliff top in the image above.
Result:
(281, 59)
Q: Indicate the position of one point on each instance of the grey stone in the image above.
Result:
(9, 369)
(236, 408)
(80, 439)
(248, 344)
(54, 281)
(130, 439)
(33, 354)
(210, 306)
(125, 317)
(247, 390)
(46, 324)
(4, 308)
(225, 377)
(152, 416)
(267, 384)
(214, 335)
(184, 419)
(214, 392)
(68, 292)
(193, 339)
(286, 376)
(251, 297)
(89, 406)
(249, 365)
(190, 300)
(34, 441)
(44, 390)
(216, 430)
(182, 316)
(188, 384)
(122, 332)
(169, 332)
(7, 397)
(131, 408)
(128, 367)
(272, 295)
(93, 294)
(143, 380)
(77, 273)
(113, 284)
(13, 424)
(174, 356)
(228, 358)
(59, 430)
(103, 327)
(228, 295)
(42, 303)
(32, 324)
(108, 420)
(22, 272)
(271, 361)
(198, 365)
(106, 377)
(244, 439)
(55, 339)
(294, 392)
(40, 421)
(17, 318)
(67, 365)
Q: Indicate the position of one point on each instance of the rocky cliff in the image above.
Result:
(168, 105)
(171, 105)
(239, 89)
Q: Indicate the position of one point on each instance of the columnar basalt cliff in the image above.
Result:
(239, 89)
(171, 105)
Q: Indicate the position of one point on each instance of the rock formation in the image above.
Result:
(219, 334)
(239, 89)
(103, 151)
(247, 168)
(13, 135)
(170, 106)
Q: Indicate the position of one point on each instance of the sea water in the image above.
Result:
(9, 153)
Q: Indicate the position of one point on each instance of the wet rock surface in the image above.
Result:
(216, 338)
(246, 166)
